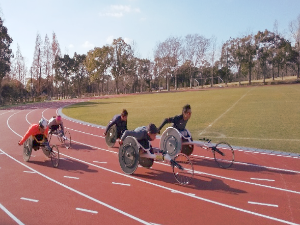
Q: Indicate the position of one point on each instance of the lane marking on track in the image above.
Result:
(250, 164)
(99, 162)
(28, 171)
(178, 192)
(120, 184)
(1, 153)
(86, 210)
(29, 199)
(78, 192)
(144, 181)
(76, 178)
(84, 132)
(11, 215)
(253, 178)
(263, 204)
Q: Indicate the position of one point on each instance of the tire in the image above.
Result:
(68, 140)
(54, 154)
(223, 154)
(129, 155)
(111, 136)
(27, 149)
(183, 169)
(146, 162)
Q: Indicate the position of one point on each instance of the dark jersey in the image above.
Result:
(120, 124)
(178, 122)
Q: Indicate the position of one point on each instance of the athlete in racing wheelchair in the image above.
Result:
(115, 128)
(54, 124)
(135, 148)
(35, 138)
(179, 122)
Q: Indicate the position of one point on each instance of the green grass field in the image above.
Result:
(265, 117)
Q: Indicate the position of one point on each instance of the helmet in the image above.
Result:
(58, 117)
(43, 123)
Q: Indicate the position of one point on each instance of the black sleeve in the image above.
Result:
(167, 120)
(113, 122)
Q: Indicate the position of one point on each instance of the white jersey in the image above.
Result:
(53, 122)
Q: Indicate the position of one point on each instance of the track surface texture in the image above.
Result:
(89, 186)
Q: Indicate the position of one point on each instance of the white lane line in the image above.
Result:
(144, 181)
(78, 192)
(84, 132)
(263, 204)
(86, 210)
(253, 178)
(121, 184)
(11, 215)
(99, 162)
(76, 178)
(28, 171)
(29, 199)
(178, 192)
(1, 153)
(250, 164)
(28, 114)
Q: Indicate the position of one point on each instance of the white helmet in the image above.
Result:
(43, 123)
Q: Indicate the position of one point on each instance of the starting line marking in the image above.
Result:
(86, 210)
(71, 177)
(28, 199)
(120, 184)
(264, 204)
(261, 179)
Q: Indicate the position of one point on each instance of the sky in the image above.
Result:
(82, 25)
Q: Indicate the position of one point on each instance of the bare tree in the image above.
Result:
(37, 61)
(194, 50)
(47, 63)
(294, 27)
(18, 67)
(168, 54)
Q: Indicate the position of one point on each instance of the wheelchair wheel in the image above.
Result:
(27, 149)
(111, 136)
(54, 154)
(129, 155)
(146, 162)
(60, 136)
(223, 154)
(183, 169)
(67, 139)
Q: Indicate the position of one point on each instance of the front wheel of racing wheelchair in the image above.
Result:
(64, 138)
(51, 152)
(111, 136)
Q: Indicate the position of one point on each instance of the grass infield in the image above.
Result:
(265, 117)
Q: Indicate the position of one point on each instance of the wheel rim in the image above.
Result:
(227, 159)
(68, 140)
(185, 175)
(54, 156)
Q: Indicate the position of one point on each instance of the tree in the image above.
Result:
(18, 67)
(5, 54)
(194, 50)
(80, 72)
(47, 63)
(121, 54)
(295, 33)
(37, 62)
(97, 63)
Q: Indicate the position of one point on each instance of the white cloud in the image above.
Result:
(128, 41)
(119, 11)
(88, 45)
(109, 39)
(70, 46)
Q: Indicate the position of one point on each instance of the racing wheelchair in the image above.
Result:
(111, 136)
(223, 152)
(64, 138)
(132, 153)
(50, 151)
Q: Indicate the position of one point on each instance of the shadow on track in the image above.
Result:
(199, 182)
(239, 167)
(67, 165)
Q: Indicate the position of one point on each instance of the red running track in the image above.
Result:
(89, 186)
